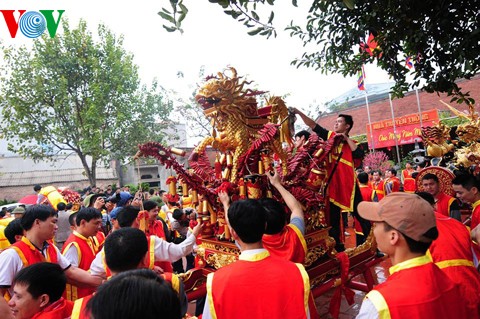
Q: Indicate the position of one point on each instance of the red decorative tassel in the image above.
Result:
(336, 300)
(218, 170)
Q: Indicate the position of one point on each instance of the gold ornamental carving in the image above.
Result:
(369, 244)
(220, 248)
(313, 255)
(218, 261)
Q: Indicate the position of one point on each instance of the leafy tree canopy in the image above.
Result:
(77, 93)
(441, 37)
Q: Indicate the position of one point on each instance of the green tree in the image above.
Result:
(78, 93)
(442, 37)
(336, 106)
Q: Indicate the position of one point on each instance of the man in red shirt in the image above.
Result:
(467, 189)
(367, 195)
(404, 229)
(126, 249)
(452, 252)
(80, 248)
(343, 191)
(37, 293)
(300, 139)
(39, 223)
(265, 287)
(377, 186)
(391, 183)
(446, 204)
(407, 179)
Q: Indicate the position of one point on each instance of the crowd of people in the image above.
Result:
(119, 255)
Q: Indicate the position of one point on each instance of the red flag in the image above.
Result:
(409, 63)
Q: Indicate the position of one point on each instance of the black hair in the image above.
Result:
(177, 214)
(41, 212)
(93, 198)
(138, 293)
(393, 171)
(304, 134)
(417, 246)
(87, 214)
(275, 215)
(247, 218)
(43, 278)
(151, 191)
(61, 206)
(3, 212)
(13, 228)
(72, 219)
(125, 248)
(37, 188)
(149, 204)
(362, 177)
(467, 181)
(160, 192)
(430, 176)
(127, 215)
(427, 196)
(348, 120)
(377, 171)
(414, 175)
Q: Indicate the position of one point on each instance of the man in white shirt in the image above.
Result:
(40, 225)
(163, 250)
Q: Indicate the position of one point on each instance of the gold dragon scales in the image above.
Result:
(468, 133)
(236, 119)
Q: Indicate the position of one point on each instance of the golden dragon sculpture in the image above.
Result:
(236, 119)
(469, 133)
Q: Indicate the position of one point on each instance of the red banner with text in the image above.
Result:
(407, 128)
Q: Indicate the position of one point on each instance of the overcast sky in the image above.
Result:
(211, 39)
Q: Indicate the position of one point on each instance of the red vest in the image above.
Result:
(452, 253)
(342, 185)
(150, 259)
(367, 192)
(264, 287)
(475, 215)
(108, 273)
(78, 311)
(367, 196)
(31, 255)
(443, 203)
(409, 184)
(165, 265)
(156, 229)
(377, 190)
(60, 309)
(417, 289)
(289, 244)
(98, 241)
(86, 254)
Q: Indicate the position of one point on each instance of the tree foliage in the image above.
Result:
(78, 93)
(442, 38)
(333, 106)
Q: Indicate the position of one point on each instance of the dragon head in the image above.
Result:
(225, 93)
